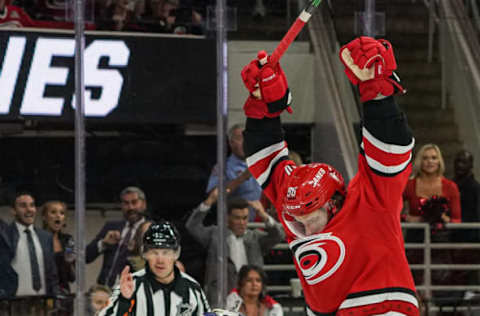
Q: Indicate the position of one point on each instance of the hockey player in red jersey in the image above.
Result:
(347, 243)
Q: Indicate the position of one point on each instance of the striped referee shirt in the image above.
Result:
(183, 297)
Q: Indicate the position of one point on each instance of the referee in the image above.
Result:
(160, 289)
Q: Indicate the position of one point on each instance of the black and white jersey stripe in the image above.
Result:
(185, 298)
(263, 162)
(385, 159)
(379, 296)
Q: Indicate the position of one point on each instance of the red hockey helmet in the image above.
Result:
(311, 187)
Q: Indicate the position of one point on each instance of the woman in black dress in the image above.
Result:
(54, 214)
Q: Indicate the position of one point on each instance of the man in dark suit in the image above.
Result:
(113, 239)
(29, 250)
(9, 279)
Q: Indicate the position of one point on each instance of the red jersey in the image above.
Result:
(13, 16)
(357, 264)
(449, 191)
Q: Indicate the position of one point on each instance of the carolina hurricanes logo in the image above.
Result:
(318, 256)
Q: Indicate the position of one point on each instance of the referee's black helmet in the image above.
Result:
(161, 235)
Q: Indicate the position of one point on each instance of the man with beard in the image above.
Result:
(113, 239)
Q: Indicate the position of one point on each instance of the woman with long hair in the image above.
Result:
(250, 298)
(432, 198)
(427, 181)
(136, 260)
(54, 214)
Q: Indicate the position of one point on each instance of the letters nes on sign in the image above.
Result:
(43, 72)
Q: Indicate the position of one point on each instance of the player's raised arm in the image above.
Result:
(264, 144)
(387, 141)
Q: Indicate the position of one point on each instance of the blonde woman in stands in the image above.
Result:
(54, 216)
(430, 197)
(427, 181)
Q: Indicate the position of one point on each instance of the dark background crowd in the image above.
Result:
(152, 16)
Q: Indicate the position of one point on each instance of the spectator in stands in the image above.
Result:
(98, 297)
(160, 17)
(13, 16)
(32, 257)
(427, 183)
(470, 202)
(53, 10)
(239, 181)
(171, 16)
(243, 246)
(135, 260)
(113, 239)
(427, 180)
(119, 15)
(469, 194)
(9, 279)
(54, 217)
(250, 298)
(62, 11)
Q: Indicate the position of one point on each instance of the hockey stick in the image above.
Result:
(292, 33)
(288, 38)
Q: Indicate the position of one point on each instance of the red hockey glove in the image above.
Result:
(369, 63)
(250, 75)
(267, 84)
(257, 109)
(274, 88)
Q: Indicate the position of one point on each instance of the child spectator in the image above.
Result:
(98, 299)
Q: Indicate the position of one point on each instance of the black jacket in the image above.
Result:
(108, 253)
(9, 279)
(9, 239)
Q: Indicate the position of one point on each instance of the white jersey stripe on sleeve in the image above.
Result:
(264, 176)
(288, 169)
(389, 148)
(265, 152)
(378, 298)
(387, 169)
